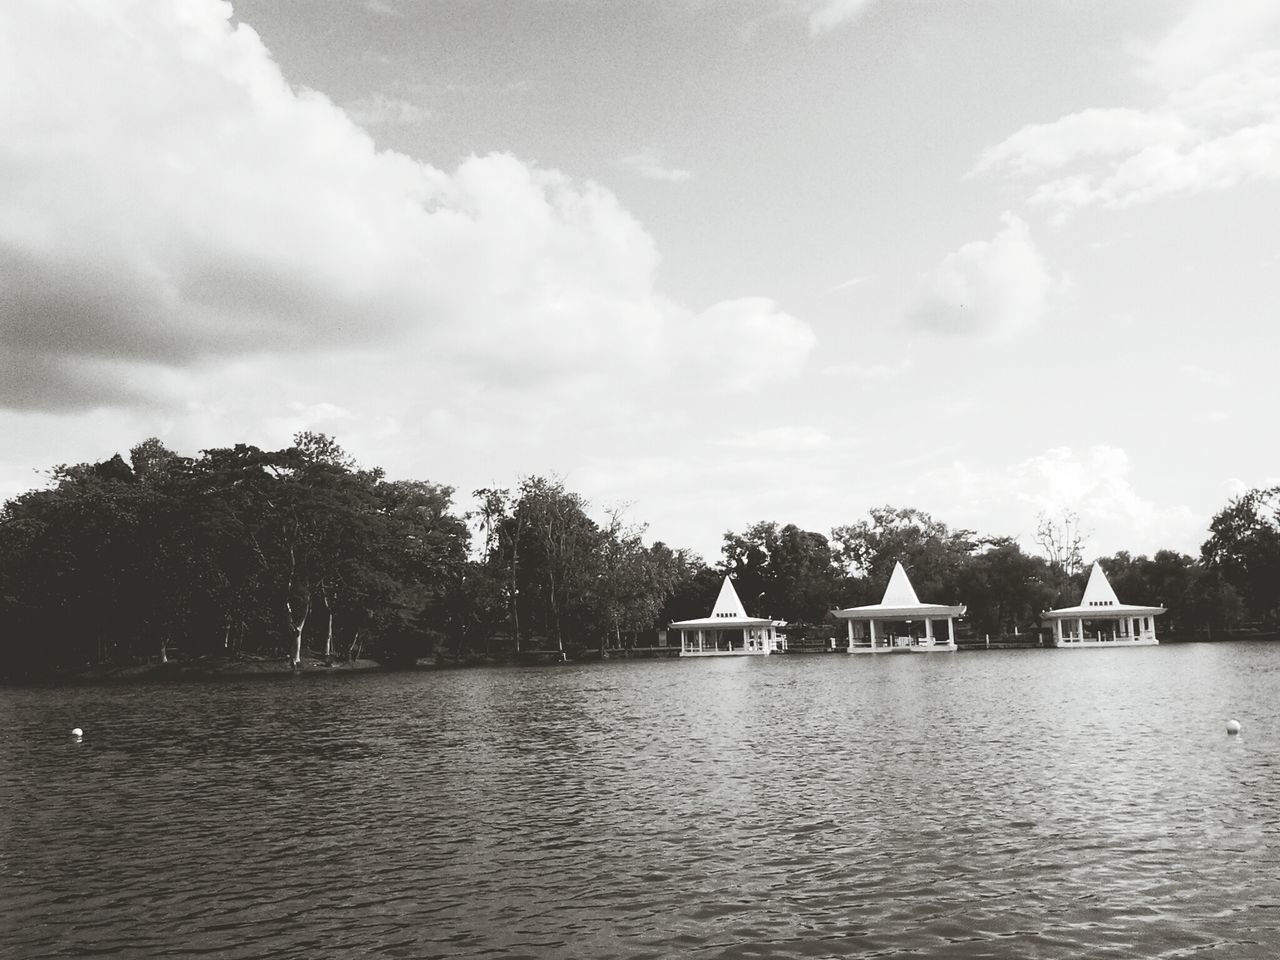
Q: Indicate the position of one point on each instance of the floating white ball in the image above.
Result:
(77, 732)
(1233, 726)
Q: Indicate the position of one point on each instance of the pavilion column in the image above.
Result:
(1057, 628)
(951, 631)
(872, 625)
(1080, 627)
(928, 631)
(849, 625)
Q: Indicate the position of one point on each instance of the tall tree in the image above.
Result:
(1004, 588)
(495, 580)
(633, 583)
(409, 584)
(559, 549)
(1061, 540)
(788, 572)
(1244, 547)
(931, 552)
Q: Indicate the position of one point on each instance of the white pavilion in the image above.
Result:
(900, 623)
(729, 632)
(1101, 620)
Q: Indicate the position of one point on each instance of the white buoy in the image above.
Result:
(1233, 726)
(77, 733)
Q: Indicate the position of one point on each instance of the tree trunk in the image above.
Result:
(164, 653)
(296, 624)
(515, 600)
(515, 610)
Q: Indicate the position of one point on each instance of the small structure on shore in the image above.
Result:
(729, 632)
(900, 623)
(1101, 620)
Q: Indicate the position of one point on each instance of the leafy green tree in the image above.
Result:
(558, 546)
(1061, 540)
(931, 553)
(410, 580)
(494, 583)
(1005, 588)
(782, 571)
(1244, 547)
(633, 583)
(694, 586)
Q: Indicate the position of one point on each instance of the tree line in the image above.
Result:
(248, 552)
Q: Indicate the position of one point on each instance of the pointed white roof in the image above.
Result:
(1100, 600)
(1098, 591)
(728, 613)
(899, 592)
(899, 602)
(728, 604)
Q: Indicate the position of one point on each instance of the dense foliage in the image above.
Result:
(244, 551)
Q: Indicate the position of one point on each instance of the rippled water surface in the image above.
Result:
(1015, 804)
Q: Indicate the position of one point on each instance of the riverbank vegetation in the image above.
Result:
(243, 553)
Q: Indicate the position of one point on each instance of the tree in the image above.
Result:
(1062, 541)
(227, 553)
(1244, 548)
(694, 585)
(789, 573)
(1004, 588)
(633, 583)
(558, 547)
(931, 553)
(409, 584)
(494, 583)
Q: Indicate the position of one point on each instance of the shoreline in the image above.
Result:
(240, 668)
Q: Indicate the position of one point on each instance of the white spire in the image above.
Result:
(900, 592)
(1098, 592)
(727, 604)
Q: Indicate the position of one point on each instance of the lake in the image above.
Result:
(1084, 803)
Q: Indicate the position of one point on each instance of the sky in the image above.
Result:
(714, 262)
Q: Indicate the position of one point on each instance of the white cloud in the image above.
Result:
(827, 15)
(1205, 377)
(1212, 416)
(1236, 487)
(1095, 483)
(169, 203)
(648, 164)
(380, 110)
(1209, 36)
(780, 439)
(869, 372)
(848, 284)
(745, 344)
(1215, 121)
(990, 288)
(1092, 133)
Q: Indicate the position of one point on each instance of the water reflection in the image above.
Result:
(1004, 804)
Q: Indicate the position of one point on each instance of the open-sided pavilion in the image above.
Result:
(900, 622)
(729, 632)
(1101, 620)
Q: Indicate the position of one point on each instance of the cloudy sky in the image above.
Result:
(724, 262)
